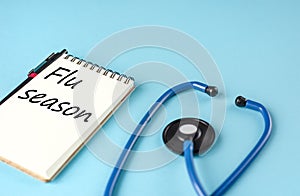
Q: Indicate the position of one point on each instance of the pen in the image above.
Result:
(34, 72)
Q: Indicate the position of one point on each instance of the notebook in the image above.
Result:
(47, 119)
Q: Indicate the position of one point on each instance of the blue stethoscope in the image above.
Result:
(190, 136)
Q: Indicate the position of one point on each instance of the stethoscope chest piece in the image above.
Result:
(199, 131)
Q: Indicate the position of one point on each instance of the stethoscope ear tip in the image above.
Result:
(240, 101)
(211, 91)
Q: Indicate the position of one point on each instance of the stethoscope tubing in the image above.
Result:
(188, 154)
(140, 127)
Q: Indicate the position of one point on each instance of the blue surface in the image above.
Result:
(256, 46)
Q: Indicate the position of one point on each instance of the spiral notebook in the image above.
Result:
(47, 119)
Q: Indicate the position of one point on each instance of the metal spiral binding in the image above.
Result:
(93, 66)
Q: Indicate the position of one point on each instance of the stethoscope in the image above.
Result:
(192, 136)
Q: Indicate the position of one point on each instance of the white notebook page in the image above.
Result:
(42, 138)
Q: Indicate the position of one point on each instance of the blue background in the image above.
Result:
(256, 45)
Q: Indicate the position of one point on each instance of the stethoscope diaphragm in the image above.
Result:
(197, 130)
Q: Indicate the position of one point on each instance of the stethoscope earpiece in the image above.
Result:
(240, 101)
(199, 131)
